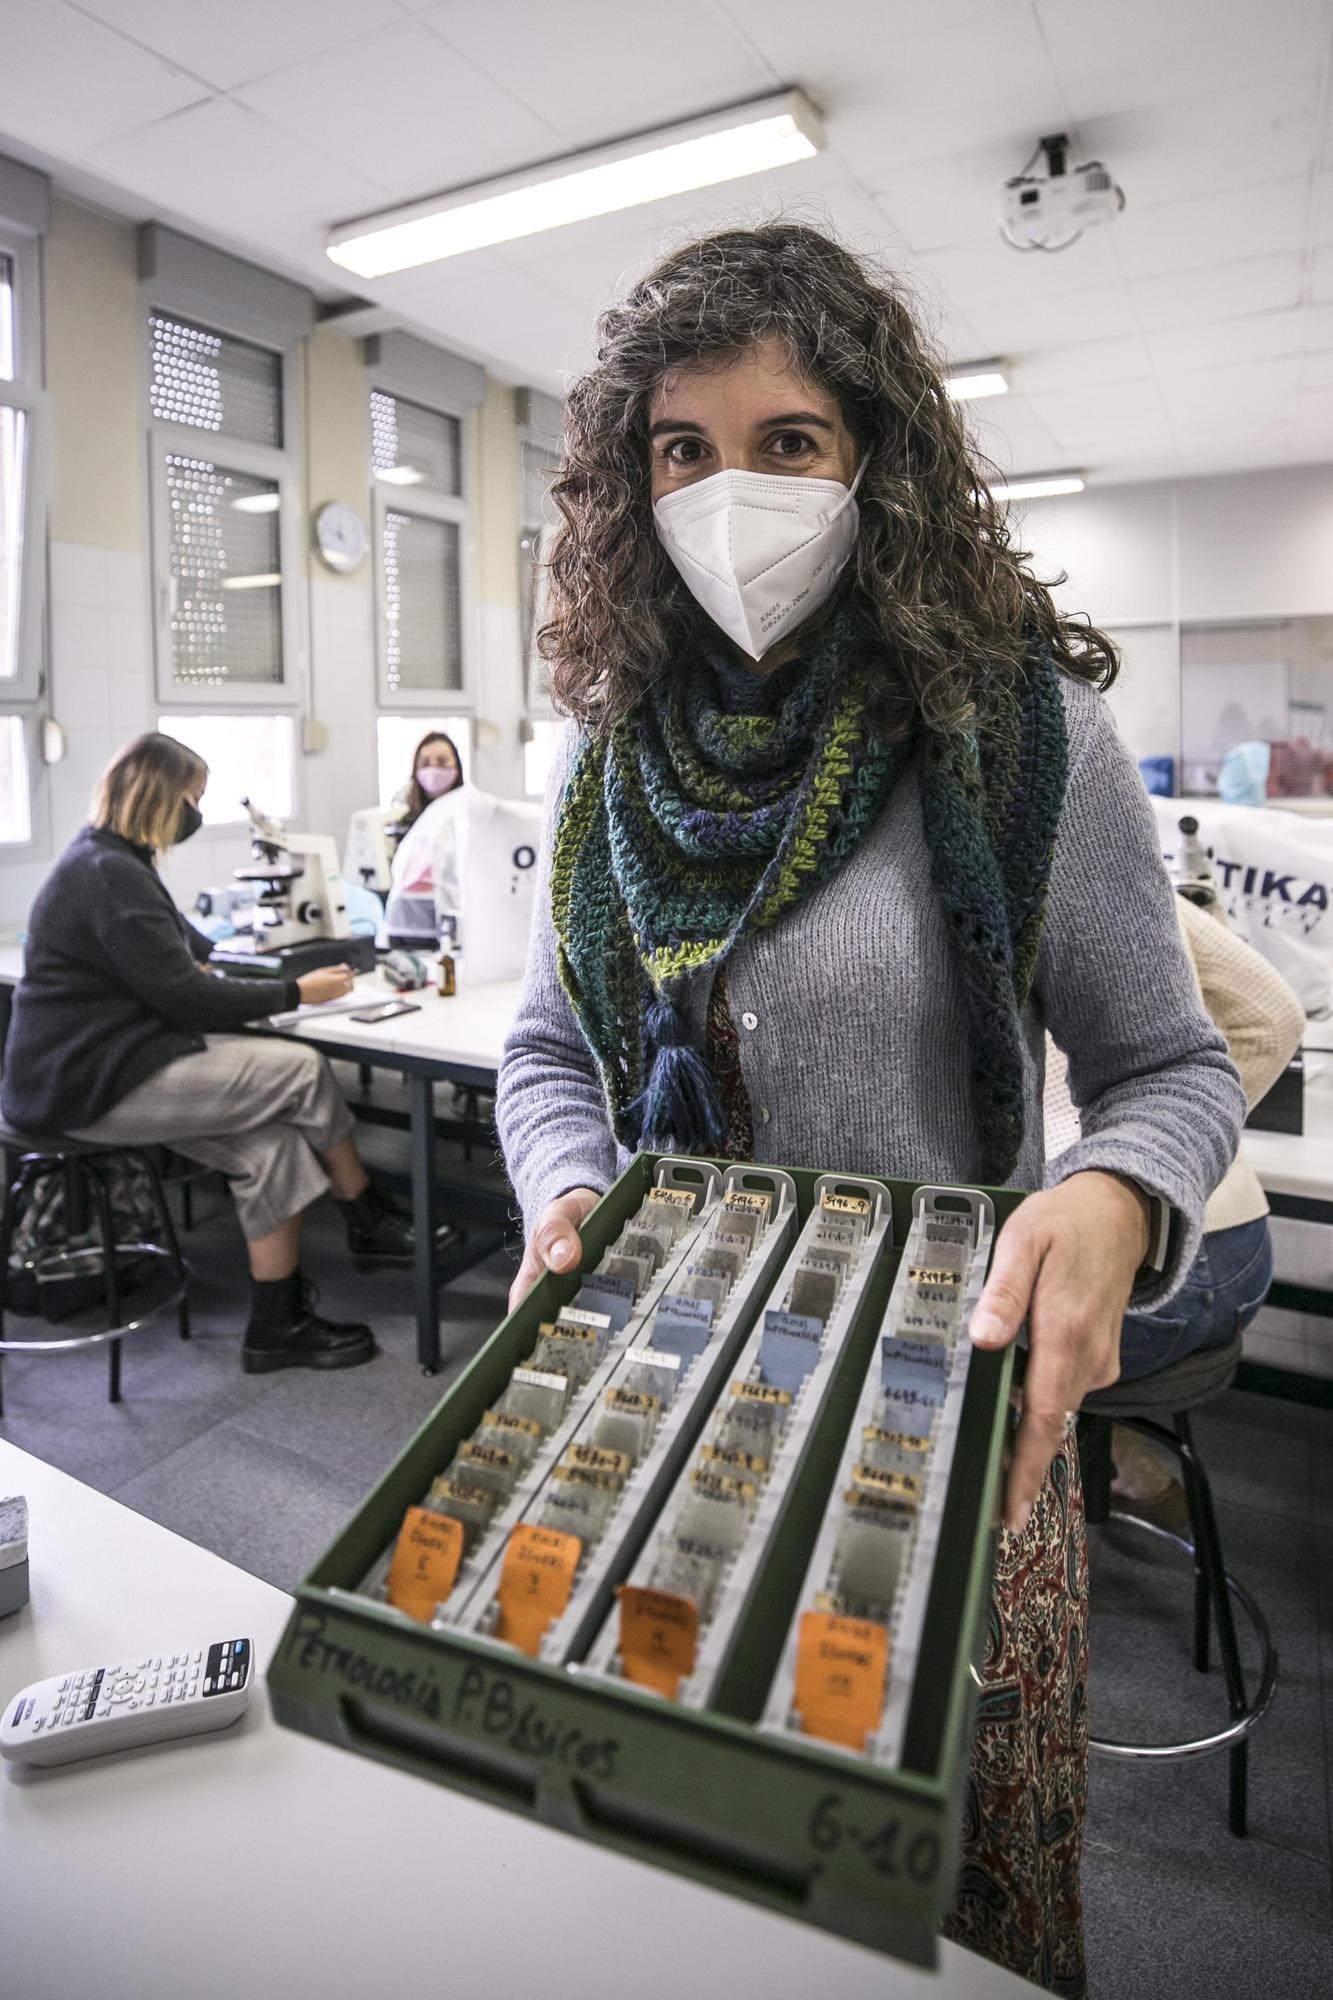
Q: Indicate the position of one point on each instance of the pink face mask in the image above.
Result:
(436, 779)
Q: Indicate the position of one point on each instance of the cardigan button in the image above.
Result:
(749, 1020)
(765, 1115)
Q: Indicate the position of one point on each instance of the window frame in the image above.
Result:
(534, 441)
(280, 465)
(23, 697)
(426, 503)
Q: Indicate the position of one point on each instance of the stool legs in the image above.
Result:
(169, 1236)
(15, 1189)
(110, 1275)
(1208, 1558)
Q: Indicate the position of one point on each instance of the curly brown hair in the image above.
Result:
(946, 608)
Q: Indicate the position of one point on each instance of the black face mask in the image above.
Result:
(188, 824)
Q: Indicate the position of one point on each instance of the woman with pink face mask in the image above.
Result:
(437, 768)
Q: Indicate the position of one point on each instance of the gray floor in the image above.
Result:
(265, 1469)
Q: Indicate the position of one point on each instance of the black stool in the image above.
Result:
(30, 1159)
(1171, 1394)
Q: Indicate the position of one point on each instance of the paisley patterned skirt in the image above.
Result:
(1019, 1899)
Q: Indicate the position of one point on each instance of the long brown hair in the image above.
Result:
(140, 793)
(946, 608)
(417, 799)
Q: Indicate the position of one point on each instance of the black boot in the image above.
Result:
(380, 1230)
(285, 1331)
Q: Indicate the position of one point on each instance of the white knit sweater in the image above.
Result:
(1263, 1022)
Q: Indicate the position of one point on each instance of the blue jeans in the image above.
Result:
(1227, 1284)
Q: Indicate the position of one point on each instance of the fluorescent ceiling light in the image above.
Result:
(981, 379)
(400, 475)
(1039, 489)
(257, 503)
(673, 159)
(267, 582)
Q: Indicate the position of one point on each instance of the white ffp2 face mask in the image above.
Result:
(760, 551)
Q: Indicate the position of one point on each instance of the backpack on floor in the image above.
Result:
(43, 1228)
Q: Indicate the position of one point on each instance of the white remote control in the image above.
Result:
(117, 1708)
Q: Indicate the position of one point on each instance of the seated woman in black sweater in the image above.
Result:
(120, 1033)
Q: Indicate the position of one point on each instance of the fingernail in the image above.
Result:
(986, 1327)
(559, 1253)
(1021, 1519)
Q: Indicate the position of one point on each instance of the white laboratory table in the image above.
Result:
(458, 1041)
(256, 1863)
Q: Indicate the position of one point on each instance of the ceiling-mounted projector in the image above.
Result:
(1050, 211)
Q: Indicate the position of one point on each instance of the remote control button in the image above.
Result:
(195, 1658)
(105, 1709)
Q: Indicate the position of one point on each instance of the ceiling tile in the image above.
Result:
(1228, 291)
(1012, 438)
(940, 202)
(1141, 52)
(228, 169)
(993, 270)
(408, 109)
(686, 59)
(533, 332)
(1321, 274)
(1212, 229)
(247, 38)
(1091, 362)
(1257, 337)
(1011, 325)
(1261, 130)
(67, 83)
(1098, 408)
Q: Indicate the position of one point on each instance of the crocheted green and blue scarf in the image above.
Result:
(706, 814)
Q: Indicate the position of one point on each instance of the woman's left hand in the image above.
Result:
(1065, 1261)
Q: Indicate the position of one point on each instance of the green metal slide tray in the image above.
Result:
(803, 1828)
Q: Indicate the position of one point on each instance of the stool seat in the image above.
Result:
(12, 1140)
(1195, 1379)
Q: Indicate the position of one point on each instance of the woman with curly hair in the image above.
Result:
(840, 827)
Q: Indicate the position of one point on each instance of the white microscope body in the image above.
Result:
(300, 919)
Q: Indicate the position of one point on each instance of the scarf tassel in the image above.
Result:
(679, 1109)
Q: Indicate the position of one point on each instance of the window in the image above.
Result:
(397, 738)
(22, 533)
(539, 463)
(225, 523)
(248, 756)
(539, 748)
(421, 522)
(15, 797)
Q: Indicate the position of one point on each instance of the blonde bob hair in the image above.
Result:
(140, 793)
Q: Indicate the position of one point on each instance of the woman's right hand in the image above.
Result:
(554, 1244)
(328, 982)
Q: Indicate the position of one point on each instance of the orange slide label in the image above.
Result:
(425, 1562)
(659, 1636)
(841, 1665)
(536, 1578)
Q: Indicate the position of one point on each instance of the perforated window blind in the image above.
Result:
(215, 383)
(413, 446)
(226, 620)
(423, 640)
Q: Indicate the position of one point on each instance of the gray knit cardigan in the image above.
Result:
(853, 1036)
